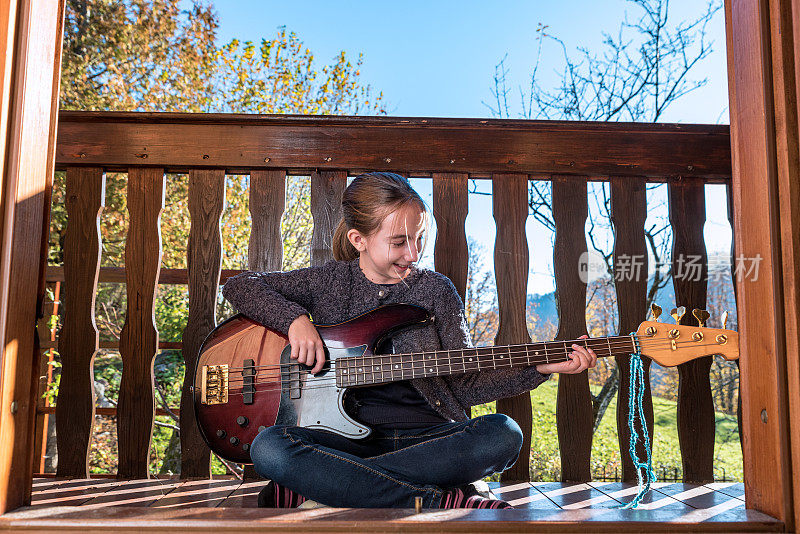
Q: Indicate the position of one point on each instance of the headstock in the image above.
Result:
(673, 344)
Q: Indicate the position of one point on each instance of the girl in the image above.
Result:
(422, 444)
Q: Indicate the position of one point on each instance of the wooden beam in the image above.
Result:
(628, 215)
(450, 207)
(327, 188)
(767, 468)
(30, 55)
(138, 341)
(206, 202)
(410, 145)
(785, 52)
(696, 421)
(79, 338)
(510, 210)
(116, 275)
(574, 400)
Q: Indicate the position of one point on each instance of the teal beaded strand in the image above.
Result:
(636, 408)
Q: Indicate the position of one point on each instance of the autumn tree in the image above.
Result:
(162, 55)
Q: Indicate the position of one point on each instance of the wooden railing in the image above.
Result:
(449, 151)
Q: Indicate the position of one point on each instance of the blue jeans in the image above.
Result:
(389, 468)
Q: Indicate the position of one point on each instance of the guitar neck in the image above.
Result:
(385, 368)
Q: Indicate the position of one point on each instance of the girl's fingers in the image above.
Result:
(320, 354)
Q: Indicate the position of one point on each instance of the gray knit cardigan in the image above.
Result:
(338, 291)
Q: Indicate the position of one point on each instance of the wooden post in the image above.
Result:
(510, 208)
(763, 50)
(327, 188)
(206, 202)
(574, 401)
(450, 207)
(79, 339)
(138, 340)
(267, 204)
(696, 421)
(628, 214)
(265, 249)
(30, 57)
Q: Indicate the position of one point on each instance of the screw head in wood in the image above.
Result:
(764, 415)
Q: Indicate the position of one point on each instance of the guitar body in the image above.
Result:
(246, 380)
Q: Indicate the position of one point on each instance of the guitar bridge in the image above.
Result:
(214, 384)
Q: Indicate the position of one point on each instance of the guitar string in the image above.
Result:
(486, 355)
(521, 360)
(440, 361)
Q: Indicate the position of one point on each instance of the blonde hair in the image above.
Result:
(366, 202)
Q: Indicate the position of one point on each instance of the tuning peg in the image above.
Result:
(678, 313)
(655, 311)
(725, 320)
(701, 316)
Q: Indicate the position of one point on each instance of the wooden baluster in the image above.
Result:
(204, 259)
(450, 206)
(574, 401)
(510, 208)
(628, 214)
(326, 209)
(265, 250)
(267, 203)
(139, 338)
(687, 214)
(79, 339)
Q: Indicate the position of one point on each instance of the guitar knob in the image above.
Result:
(220, 433)
(262, 428)
(246, 447)
(234, 440)
(241, 420)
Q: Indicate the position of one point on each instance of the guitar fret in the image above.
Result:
(367, 369)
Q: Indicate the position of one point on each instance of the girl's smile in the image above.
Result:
(386, 256)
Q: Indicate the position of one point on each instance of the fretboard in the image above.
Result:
(384, 368)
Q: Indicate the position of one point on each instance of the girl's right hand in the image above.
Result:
(307, 347)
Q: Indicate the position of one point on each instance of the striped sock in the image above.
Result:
(273, 495)
(455, 498)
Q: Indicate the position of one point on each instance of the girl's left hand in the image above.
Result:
(580, 359)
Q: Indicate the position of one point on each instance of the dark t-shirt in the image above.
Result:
(393, 405)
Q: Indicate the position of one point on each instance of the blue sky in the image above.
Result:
(437, 58)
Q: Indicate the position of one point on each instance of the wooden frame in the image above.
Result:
(763, 48)
(762, 53)
(31, 54)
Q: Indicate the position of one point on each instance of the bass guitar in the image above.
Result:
(246, 381)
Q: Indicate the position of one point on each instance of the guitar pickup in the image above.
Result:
(248, 381)
(214, 384)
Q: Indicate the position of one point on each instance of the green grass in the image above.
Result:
(546, 463)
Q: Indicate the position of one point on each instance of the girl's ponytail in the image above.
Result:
(343, 249)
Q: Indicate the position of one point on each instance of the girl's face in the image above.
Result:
(388, 254)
